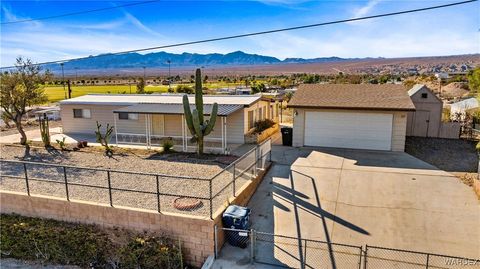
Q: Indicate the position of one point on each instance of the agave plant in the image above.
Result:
(194, 118)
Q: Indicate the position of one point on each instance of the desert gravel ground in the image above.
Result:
(452, 155)
(175, 166)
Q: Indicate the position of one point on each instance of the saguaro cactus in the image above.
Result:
(44, 130)
(194, 119)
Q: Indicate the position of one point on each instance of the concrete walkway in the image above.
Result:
(358, 197)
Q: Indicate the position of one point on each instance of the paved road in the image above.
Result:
(363, 197)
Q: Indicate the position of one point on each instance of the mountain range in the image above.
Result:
(161, 59)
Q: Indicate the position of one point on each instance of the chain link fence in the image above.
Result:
(292, 252)
(380, 257)
(163, 193)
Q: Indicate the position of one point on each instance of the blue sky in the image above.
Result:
(448, 31)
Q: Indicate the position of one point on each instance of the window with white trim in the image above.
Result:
(82, 113)
(127, 116)
(251, 120)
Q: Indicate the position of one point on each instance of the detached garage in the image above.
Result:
(359, 116)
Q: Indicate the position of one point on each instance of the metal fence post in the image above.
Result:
(66, 182)
(26, 178)
(252, 246)
(256, 162)
(211, 198)
(365, 257)
(158, 193)
(109, 188)
(428, 260)
(215, 240)
(304, 255)
(360, 258)
(234, 187)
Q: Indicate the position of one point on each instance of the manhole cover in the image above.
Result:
(183, 203)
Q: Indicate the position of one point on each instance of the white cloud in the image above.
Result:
(360, 12)
(401, 36)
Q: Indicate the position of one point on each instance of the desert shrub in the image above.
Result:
(184, 89)
(263, 125)
(53, 241)
(167, 145)
(61, 143)
(150, 252)
(88, 246)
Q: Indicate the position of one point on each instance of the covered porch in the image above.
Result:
(151, 124)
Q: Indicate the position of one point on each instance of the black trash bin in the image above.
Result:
(236, 217)
(287, 135)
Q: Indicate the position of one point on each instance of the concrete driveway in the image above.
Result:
(358, 197)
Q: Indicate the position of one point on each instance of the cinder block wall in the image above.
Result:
(195, 233)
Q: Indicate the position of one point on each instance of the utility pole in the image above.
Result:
(169, 82)
(69, 90)
(144, 68)
(63, 81)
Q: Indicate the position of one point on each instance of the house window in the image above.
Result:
(424, 95)
(82, 113)
(127, 116)
(250, 119)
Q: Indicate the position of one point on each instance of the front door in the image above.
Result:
(158, 123)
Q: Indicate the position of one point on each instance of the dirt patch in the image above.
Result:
(452, 155)
(27, 126)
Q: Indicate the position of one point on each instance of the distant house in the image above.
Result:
(426, 120)
(150, 119)
(442, 75)
(243, 91)
(467, 105)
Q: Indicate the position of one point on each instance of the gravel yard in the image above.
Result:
(178, 168)
(452, 155)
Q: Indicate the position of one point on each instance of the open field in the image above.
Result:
(56, 93)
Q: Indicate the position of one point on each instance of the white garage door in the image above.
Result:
(349, 130)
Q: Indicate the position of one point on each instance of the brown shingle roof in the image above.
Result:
(352, 96)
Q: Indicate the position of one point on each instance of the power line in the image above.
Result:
(261, 33)
(78, 12)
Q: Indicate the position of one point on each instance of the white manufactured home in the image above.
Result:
(150, 119)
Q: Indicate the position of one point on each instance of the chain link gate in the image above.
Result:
(290, 252)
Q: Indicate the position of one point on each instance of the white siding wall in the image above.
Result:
(255, 107)
(173, 123)
(102, 114)
(131, 126)
(235, 127)
(398, 131)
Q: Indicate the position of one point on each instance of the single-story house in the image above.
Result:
(360, 116)
(426, 120)
(142, 119)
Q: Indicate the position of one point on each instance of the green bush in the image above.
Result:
(88, 246)
(167, 145)
(150, 252)
(263, 125)
(53, 241)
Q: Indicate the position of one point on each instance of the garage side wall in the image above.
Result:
(399, 127)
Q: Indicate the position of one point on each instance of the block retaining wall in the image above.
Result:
(197, 234)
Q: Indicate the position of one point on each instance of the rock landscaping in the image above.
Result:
(181, 175)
